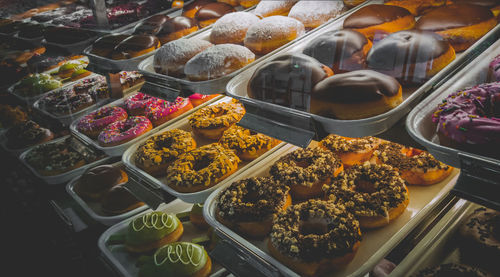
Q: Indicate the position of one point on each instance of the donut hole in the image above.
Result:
(253, 133)
(125, 128)
(365, 186)
(164, 143)
(103, 115)
(202, 163)
(219, 113)
(251, 196)
(303, 163)
(313, 226)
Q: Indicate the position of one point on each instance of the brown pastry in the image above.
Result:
(119, 200)
(177, 27)
(191, 9)
(135, 46)
(417, 7)
(95, 182)
(151, 26)
(104, 46)
(209, 13)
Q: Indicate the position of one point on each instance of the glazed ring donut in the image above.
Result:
(201, 168)
(92, 124)
(212, 121)
(376, 194)
(306, 171)
(314, 237)
(269, 8)
(415, 166)
(158, 151)
(123, 131)
(248, 206)
(351, 151)
(248, 144)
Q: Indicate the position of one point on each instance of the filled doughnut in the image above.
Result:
(135, 46)
(136, 104)
(248, 145)
(118, 200)
(233, 3)
(314, 13)
(315, 237)
(96, 181)
(162, 111)
(232, 27)
(191, 9)
(211, 12)
(176, 27)
(201, 168)
(351, 151)
(248, 3)
(92, 124)
(417, 7)
(198, 99)
(452, 269)
(270, 8)
(248, 206)
(352, 3)
(211, 122)
(150, 26)
(493, 5)
(104, 46)
(123, 131)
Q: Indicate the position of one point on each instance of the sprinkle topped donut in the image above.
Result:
(93, 123)
(162, 111)
(123, 131)
(137, 103)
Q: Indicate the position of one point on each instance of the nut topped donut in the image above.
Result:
(351, 151)
(171, 57)
(232, 27)
(314, 237)
(314, 13)
(248, 144)
(211, 122)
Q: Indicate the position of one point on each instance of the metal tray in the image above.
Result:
(93, 208)
(375, 244)
(124, 263)
(237, 88)
(194, 197)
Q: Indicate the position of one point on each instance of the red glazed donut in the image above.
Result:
(92, 124)
(138, 103)
(123, 131)
(162, 111)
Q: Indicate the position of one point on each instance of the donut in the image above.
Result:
(306, 171)
(352, 3)
(375, 21)
(341, 50)
(191, 9)
(217, 61)
(118, 200)
(212, 121)
(159, 151)
(69, 67)
(232, 27)
(233, 3)
(177, 259)
(96, 181)
(351, 151)
(151, 26)
(460, 24)
(248, 206)
(272, 32)
(162, 111)
(315, 237)
(171, 57)
(287, 80)
(73, 104)
(376, 194)
(152, 230)
(135, 46)
(248, 145)
(196, 217)
(355, 95)
(201, 168)
(104, 46)
(270, 8)
(415, 166)
(417, 7)
(197, 99)
(79, 74)
(494, 69)
(452, 269)
(121, 132)
(314, 13)
(136, 104)
(93, 123)
(27, 133)
(211, 12)
(248, 3)
(493, 5)
(177, 27)
(36, 84)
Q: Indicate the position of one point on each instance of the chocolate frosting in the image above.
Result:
(484, 3)
(101, 178)
(151, 26)
(109, 41)
(177, 23)
(453, 16)
(197, 4)
(118, 198)
(287, 80)
(355, 87)
(213, 11)
(374, 14)
(137, 43)
(66, 35)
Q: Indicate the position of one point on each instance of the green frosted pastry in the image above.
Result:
(36, 84)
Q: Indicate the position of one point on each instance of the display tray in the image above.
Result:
(14, 151)
(119, 149)
(237, 88)
(375, 244)
(217, 85)
(194, 197)
(124, 262)
(94, 208)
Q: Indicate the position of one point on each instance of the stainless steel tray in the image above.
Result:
(128, 159)
(375, 244)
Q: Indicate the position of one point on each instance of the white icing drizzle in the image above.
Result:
(152, 220)
(309, 11)
(175, 255)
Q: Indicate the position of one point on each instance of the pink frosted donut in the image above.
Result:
(137, 103)
(162, 111)
(122, 131)
(93, 123)
(198, 98)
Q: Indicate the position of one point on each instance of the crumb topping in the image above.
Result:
(340, 144)
(483, 227)
(216, 116)
(241, 139)
(402, 158)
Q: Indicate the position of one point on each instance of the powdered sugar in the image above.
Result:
(274, 27)
(309, 12)
(270, 7)
(176, 53)
(233, 25)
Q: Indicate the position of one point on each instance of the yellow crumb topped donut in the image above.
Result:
(211, 122)
(248, 144)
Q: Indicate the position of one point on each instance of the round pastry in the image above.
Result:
(96, 181)
(248, 206)
(415, 166)
(211, 12)
(355, 95)
(162, 111)
(315, 237)
(314, 13)
(171, 57)
(217, 61)
(151, 231)
(135, 46)
(212, 121)
(306, 171)
(452, 269)
(104, 46)
(196, 217)
(27, 133)
(270, 8)
(411, 56)
(493, 5)
(68, 68)
(197, 99)
(177, 259)
(352, 3)
(159, 151)
(73, 104)
(233, 3)
(494, 69)
(191, 9)
(232, 27)
(375, 21)
(342, 50)
(248, 145)
(177, 27)
(272, 32)
(136, 104)
(79, 74)
(123, 131)
(52, 159)
(93, 123)
(118, 200)
(351, 151)
(36, 84)
(151, 26)
(201, 168)
(417, 7)
(11, 116)
(248, 3)
(376, 194)
(287, 80)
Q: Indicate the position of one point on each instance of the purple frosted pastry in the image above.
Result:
(495, 69)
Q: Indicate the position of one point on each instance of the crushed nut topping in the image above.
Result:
(241, 139)
(339, 144)
(216, 116)
(402, 158)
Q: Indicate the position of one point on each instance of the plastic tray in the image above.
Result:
(195, 197)
(237, 88)
(119, 149)
(64, 177)
(124, 263)
(419, 123)
(94, 208)
(375, 244)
